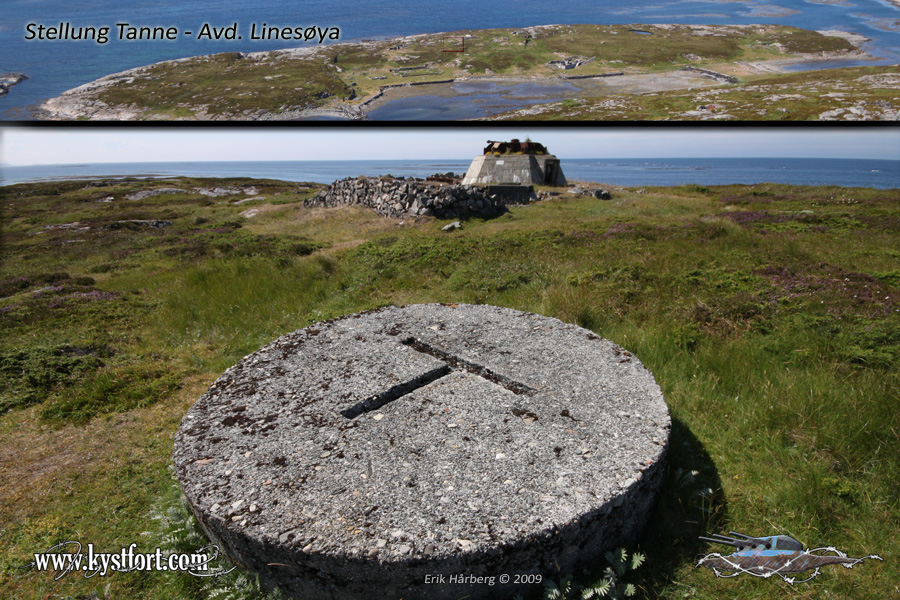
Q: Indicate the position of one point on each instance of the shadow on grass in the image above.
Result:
(690, 504)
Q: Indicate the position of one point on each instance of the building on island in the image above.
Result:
(515, 162)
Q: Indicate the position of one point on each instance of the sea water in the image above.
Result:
(55, 66)
(881, 174)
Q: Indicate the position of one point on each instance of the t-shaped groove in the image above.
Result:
(401, 389)
(460, 477)
(453, 362)
(460, 363)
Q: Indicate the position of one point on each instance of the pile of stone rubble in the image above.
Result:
(393, 197)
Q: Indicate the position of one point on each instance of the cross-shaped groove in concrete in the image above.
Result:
(453, 362)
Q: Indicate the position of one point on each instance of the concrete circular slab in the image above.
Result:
(425, 452)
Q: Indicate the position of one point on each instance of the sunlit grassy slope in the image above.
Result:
(769, 315)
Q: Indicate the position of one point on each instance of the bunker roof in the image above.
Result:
(514, 146)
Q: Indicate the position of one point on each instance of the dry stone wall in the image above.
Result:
(392, 197)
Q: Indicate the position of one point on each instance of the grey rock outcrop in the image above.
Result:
(571, 62)
(7, 80)
(150, 193)
(392, 197)
(599, 193)
(134, 224)
(227, 191)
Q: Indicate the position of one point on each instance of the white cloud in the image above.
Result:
(27, 146)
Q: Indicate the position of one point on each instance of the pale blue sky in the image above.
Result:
(32, 146)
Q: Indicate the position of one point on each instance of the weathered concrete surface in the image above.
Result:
(357, 456)
(521, 169)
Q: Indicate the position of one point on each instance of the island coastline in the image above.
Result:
(8, 80)
(88, 101)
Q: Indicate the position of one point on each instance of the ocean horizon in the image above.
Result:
(629, 172)
(55, 66)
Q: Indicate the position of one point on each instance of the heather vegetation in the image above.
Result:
(844, 94)
(288, 84)
(769, 314)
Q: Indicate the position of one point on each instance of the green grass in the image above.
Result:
(235, 85)
(802, 96)
(768, 315)
(227, 83)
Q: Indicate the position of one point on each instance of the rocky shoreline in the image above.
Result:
(81, 102)
(8, 80)
(92, 101)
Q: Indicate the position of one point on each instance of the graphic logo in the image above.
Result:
(779, 555)
(69, 557)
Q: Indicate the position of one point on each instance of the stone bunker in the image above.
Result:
(515, 162)
(425, 452)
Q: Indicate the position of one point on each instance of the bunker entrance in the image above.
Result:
(551, 171)
(370, 451)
